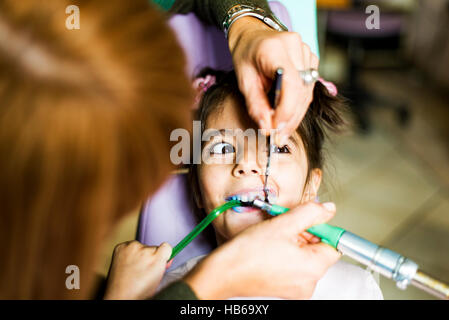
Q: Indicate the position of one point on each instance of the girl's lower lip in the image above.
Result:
(245, 209)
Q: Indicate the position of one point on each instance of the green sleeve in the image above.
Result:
(209, 11)
(178, 290)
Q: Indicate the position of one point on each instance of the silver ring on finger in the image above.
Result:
(309, 76)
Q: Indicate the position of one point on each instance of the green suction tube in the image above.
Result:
(328, 234)
(202, 225)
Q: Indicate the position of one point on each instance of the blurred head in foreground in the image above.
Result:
(85, 117)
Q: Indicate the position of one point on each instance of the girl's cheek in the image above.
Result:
(213, 181)
(290, 180)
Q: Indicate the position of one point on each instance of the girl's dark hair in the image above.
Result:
(324, 113)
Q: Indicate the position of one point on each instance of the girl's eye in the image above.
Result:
(222, 148)
(283, 149)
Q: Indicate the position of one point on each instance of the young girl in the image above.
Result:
(295, 177)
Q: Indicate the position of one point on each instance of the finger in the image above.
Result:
(302, 240)
(302, 58)
(299, 219)
(289, 99)
(284, 133)
(310, 237)
(291, 94)
(256, 99)
(291, 61)
(294, 48)
(164, 252)
(327, 254)
(307, 55)
(314, 61)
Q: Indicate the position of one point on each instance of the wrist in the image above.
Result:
(242, 26)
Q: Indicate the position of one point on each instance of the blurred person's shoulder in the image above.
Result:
(346, 281)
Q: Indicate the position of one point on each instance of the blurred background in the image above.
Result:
(389, 174)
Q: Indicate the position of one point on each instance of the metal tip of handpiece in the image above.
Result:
(431, 285)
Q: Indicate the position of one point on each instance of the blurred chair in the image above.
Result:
(349, 26)
(167, 216)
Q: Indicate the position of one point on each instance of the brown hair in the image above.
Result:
(324, 113)
(85, 118)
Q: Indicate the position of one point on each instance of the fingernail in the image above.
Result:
(168, 265)
(330, 206)
(262, 128)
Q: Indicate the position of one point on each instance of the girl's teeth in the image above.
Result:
(252, 196)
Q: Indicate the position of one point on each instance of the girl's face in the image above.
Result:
(223, 178)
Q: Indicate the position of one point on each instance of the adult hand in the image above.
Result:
(136, 270)
(257, 52)
(268, 259)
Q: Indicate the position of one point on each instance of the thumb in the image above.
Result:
(164, 251)
(299, 219)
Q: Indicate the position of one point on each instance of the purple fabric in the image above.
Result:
(205, 45)
(167, 216)
(352, 23)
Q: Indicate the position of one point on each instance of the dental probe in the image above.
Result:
(273, 97)
(388, 263)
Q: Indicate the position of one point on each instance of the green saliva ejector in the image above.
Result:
(386, 262)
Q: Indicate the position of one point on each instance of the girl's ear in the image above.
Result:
(311, 190)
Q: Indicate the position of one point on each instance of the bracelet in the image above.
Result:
(240, 11)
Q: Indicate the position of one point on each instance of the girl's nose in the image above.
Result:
(248, 162)
(247, 168)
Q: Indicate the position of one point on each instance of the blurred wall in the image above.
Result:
(428, 43)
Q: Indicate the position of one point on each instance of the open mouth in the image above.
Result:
(249, 196)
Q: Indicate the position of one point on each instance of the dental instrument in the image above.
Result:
(309, 76)
(388, 263)
(273, 98)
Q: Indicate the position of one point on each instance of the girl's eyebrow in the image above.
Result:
(221, 131)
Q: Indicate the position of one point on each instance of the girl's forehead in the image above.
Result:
(232, 115)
